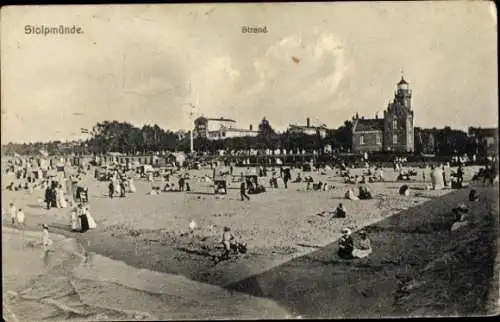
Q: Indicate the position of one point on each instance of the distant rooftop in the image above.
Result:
(368, 125)
(295, 126)
(221, 119)
(484, 131)
(240, 130)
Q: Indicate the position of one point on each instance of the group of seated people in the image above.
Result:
(486, 174)
(298, 179)
(171, 187)
(347, 250)
(13, 187)
(253, 187)
(316, 186)
(462, 216)
(231, 245)
(339, 212)
(350, 179)
(374, 174)
(363, 194)
(273, 182)
(405, 175)
(220, 187)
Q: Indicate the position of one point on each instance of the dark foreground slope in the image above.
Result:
(416, 269)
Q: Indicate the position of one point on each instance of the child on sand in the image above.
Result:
(227, 238)
(20, 217)
(47, 242)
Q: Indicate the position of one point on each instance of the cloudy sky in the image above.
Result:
(145, 63)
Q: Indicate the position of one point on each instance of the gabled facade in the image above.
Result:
(367, 135)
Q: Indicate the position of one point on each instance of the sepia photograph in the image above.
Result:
(205, 161)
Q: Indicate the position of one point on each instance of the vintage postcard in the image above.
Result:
(249, 161)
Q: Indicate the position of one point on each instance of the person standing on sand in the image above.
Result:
(122, 188)
(460, 175)
(74, 220)
(131, 184)
(20, 218)
(90, 219)
(111, 189)
(47, 197)
(46, 242)
(84, 223)
(56, 194)
(13, 213)
(62, 197)
(243, 192)
(433, 177)
(445, 183)
(181, 183)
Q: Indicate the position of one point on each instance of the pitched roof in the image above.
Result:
(368, 125)
(294, 126)
(402, 81)
(484, 131)
(222, 119)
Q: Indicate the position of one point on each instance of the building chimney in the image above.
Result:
(250, 127)
(308, 122)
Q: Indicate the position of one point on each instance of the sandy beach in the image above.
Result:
(286, 237)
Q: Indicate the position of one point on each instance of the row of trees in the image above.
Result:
(124, 137)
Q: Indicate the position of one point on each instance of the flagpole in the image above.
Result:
(191, 114)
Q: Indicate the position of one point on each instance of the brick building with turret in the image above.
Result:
(394, 132)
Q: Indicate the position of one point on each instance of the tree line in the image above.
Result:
(126, 138)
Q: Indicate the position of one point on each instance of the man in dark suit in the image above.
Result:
(243, 192)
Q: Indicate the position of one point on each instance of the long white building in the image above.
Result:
(220, 128)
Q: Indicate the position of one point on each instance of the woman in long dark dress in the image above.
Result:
(53, 194)
(84, 222)
(47, 197)
(444, 176)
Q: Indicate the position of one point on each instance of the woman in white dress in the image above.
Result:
(61, 197)
(116, 185)
(92, 223)
(131, 185)
(75, 223)
(57, 193)
(437, 178)
(350, 195)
